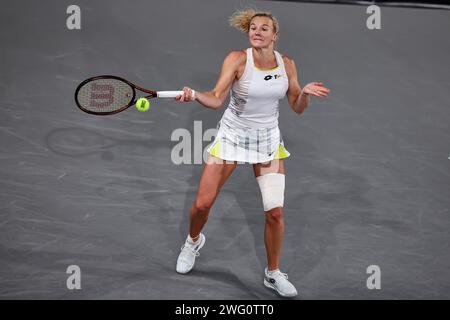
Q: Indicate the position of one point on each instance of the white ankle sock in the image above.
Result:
(191, 241)
(270, 273)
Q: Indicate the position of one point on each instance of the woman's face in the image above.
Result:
(261, 32)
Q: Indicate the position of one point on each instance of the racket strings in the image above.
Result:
(105, 95)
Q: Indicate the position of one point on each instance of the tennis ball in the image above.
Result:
(142, 104)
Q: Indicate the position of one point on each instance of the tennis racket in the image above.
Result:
(105, 95)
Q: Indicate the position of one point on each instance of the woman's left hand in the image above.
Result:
(316, 88)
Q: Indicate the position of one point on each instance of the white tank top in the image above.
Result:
(255, 96)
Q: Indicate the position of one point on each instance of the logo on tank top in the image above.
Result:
(270, 77)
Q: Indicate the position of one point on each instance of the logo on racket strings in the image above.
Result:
(102, 95)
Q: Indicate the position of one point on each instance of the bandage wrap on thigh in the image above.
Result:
(272, 190)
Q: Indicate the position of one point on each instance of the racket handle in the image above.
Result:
(170, 94)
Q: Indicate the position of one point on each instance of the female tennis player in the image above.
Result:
(248, 132)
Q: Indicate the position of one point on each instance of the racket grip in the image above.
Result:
(170, 94)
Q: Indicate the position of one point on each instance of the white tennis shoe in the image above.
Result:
(279, 282)
(189, 252)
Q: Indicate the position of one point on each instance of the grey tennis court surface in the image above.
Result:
(368, 180)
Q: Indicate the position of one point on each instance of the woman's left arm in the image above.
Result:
(298, 98)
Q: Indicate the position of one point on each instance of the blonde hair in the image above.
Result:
(241, 19)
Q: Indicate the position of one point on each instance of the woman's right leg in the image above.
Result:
(215, 173)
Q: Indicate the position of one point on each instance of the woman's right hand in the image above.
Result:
(187, 95)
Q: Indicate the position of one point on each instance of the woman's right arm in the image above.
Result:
(215, 98)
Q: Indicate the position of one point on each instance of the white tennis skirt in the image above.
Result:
(245, 144)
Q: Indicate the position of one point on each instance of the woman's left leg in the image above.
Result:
(274, 227)
(271, 180)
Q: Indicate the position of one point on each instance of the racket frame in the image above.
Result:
(151, 94)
